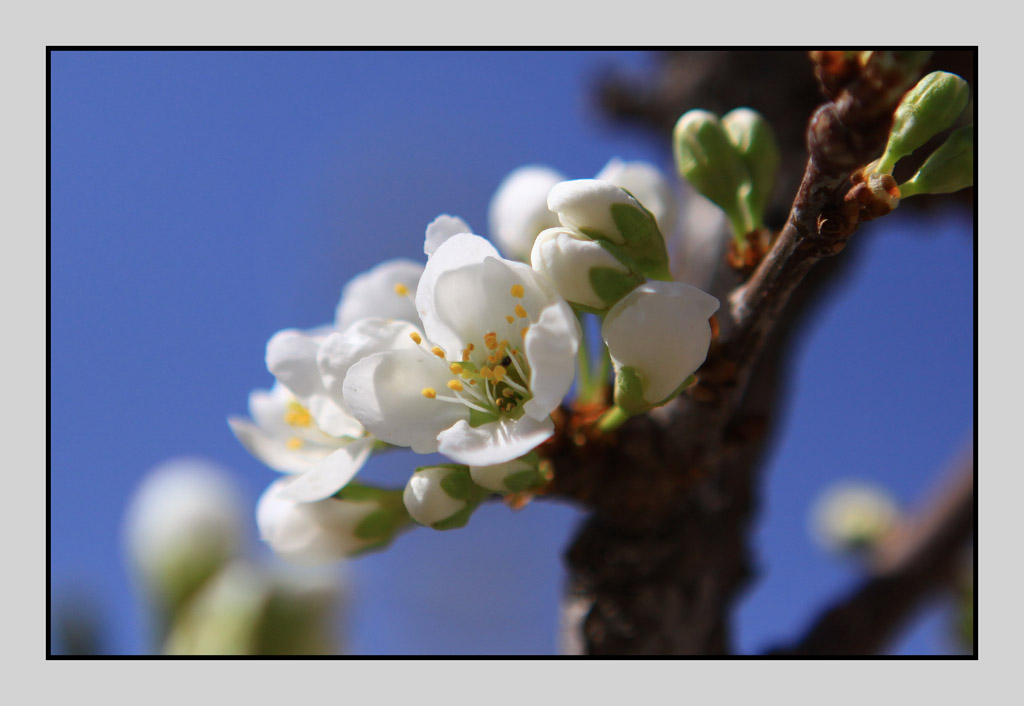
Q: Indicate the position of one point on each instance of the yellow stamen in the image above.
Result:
(491, 340)
(508, 392)
(521, 312)
(429, 392)
(455, 368)
(523, 332)
(294, 443)
(416, 338)
(497, 401)
(297, 415)
(486, 373)
(502, 345)
(455, 385)
(465, 355)
(499, 373)
(517, 291)
(401, 290)
(472, 382)
(438, 351)
(509, 319)
(492, 359)
(470, 347)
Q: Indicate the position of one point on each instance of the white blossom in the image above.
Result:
(519, 209)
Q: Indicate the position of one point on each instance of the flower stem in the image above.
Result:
(612, 419)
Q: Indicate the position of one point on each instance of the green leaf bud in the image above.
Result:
(708, 159)
(927, 109)
(948, 169)
(755, 142)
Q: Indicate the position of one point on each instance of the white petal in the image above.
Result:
(496, 442)
(373, 294)
(341, 350)
(291, 358)
(586, 204)
(267, 408)
(442, 228)
(648, 185)
(315, 532)
(519, 209)
(384, 392)
(426, 500)
(551, 346)
(565, 258)
(272, 449)
(333, 417)
(331, 474)
(661, 330)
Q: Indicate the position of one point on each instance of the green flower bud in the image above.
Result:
(605, 212)
(442, 497)
(708, 159)
(755, 142)
(948, 169)
(930, 107)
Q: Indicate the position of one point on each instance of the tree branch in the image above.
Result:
(915, 560)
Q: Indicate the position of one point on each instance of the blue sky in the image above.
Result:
(202, 201)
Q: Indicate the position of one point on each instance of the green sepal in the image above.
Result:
(457, 485)
(524, 480)
(611, 284)
(629, 391)
(948, 169)
(378, 524)
(643, 240)
(457, 520)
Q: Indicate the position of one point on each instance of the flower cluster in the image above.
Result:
(469, 355)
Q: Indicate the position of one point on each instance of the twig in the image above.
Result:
(918, 558)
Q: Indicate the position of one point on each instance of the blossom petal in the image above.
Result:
(551, 346)
(332, 473)
(519, 209)
(661, 330)
(341, 350)
(291, 358)
(442, 228)
(495, 442)
(373, 294)
(648, 185)
(273, 450)
(385, 393)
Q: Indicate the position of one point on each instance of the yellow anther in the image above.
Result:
(497, 401)
(294, 443)
(465, 355)
(438, 351)
(472, 382)
(297, 415)
(491, 340)
(523, 332)
(493, 359)
(429, 392)
(521, 312)
(508, 392)
(470, 347)
(401, 290)
(502, 345)
(416, 338)
(455, 385)
(499, 373)
(509, 319)
(517, 291)
(486, 373)
(455, 368)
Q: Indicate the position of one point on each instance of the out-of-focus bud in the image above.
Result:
(708, 159)
(181, 527)
(246, 611)
(851, 517)
(948, 169)
(755, 142)
(646, 184)
(514, 476)
(581, 269)
(603, 211)
(354, 520)
(926, 110)
(442, 497)
(657, 336)
(519, 209)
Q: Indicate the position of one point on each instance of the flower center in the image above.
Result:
(491, 379)
(297, 416)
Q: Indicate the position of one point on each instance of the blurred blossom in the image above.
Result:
(182, 525)
(850, 517)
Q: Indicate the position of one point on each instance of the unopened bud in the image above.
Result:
(602, 211)
(646, 184)
(707, 158)
(657, 336)
(582, 270)
(755, 142)
(442, 497)
(927, 109)
(849, 517)
(948, 169)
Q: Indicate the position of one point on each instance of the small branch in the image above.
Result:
(916, 559)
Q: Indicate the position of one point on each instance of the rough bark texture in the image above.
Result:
(658, 564)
